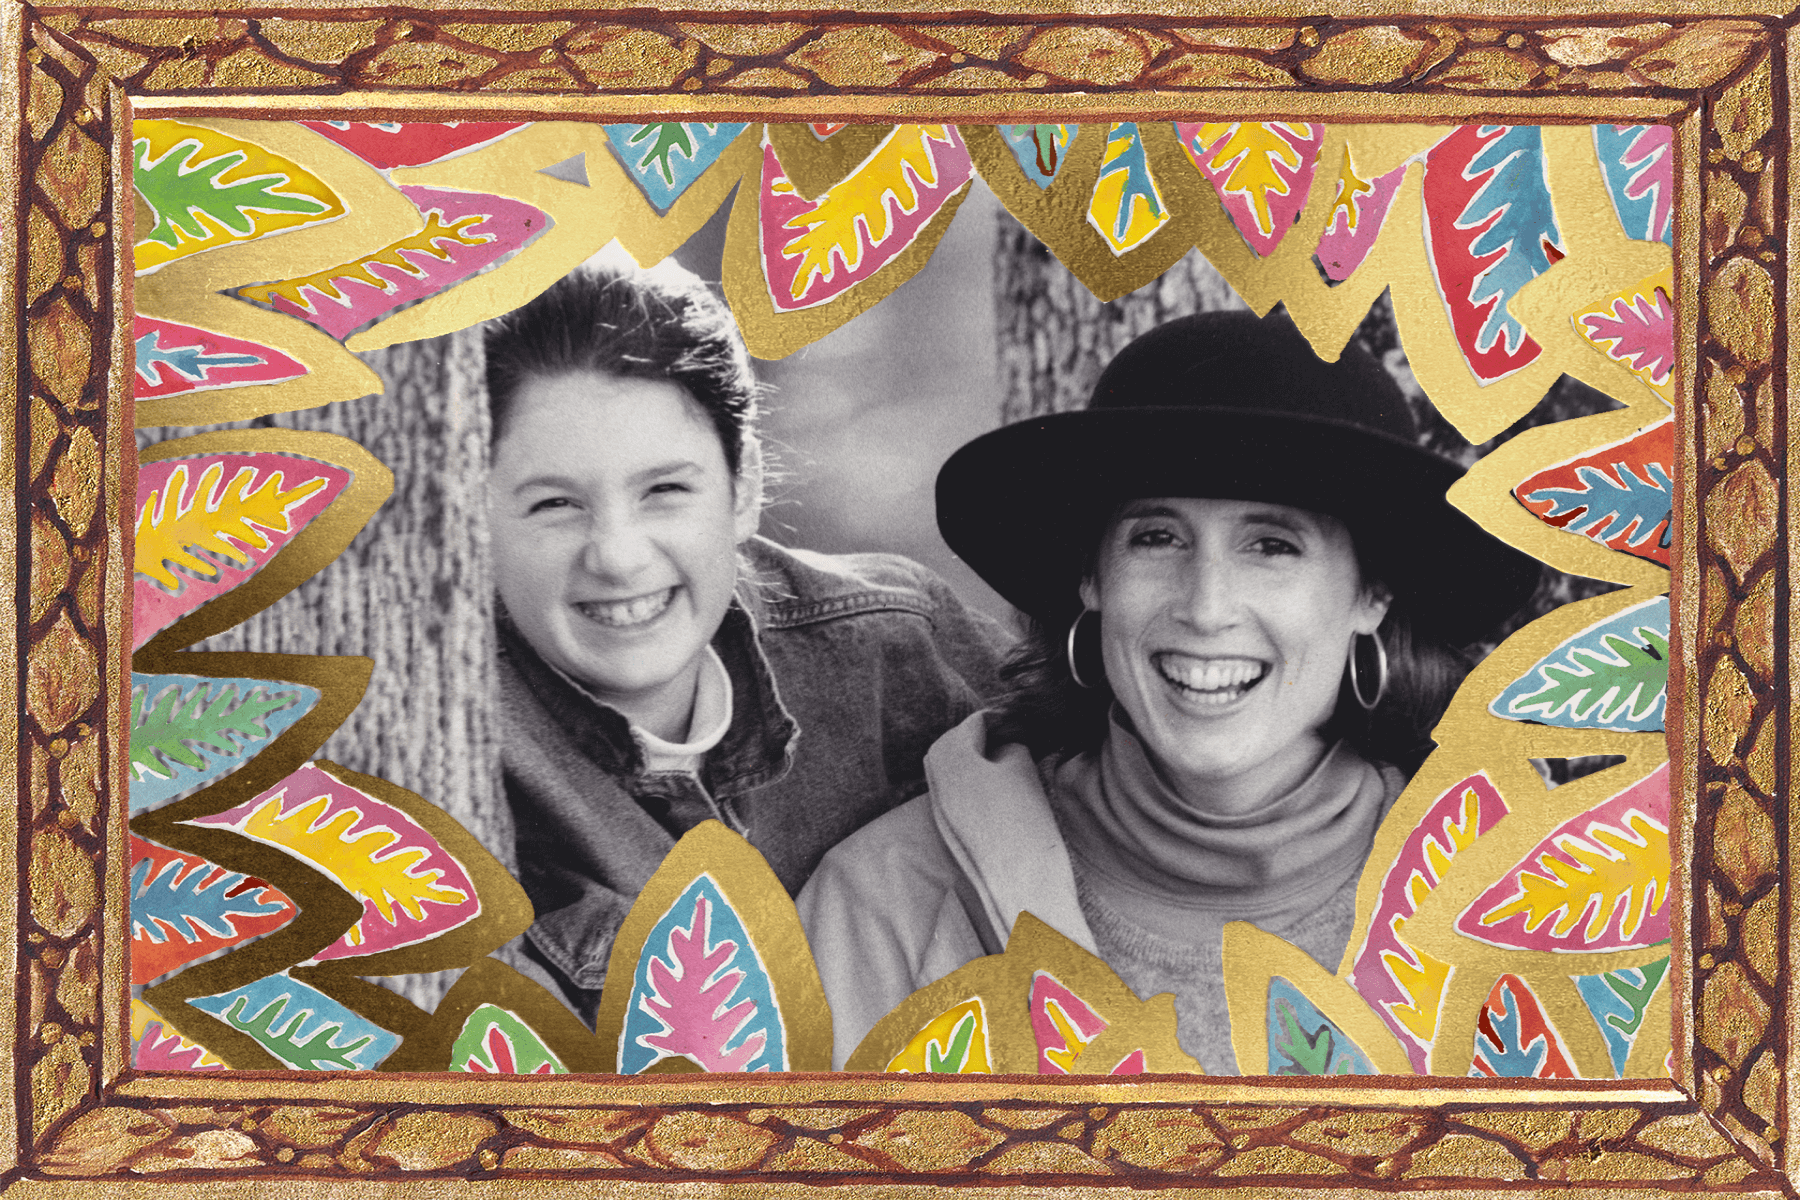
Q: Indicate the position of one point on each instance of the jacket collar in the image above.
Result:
(756, 750)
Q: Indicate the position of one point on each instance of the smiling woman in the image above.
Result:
(660, 666)
(1272, 657)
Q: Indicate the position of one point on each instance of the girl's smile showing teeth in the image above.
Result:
(621, 614)
(1217, 680)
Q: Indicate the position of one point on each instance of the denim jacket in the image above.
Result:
(844, 670)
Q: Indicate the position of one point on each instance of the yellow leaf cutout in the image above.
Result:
(1604, 878)
(215, 525)
(1257, 147)
(830, 227)
(1350, 185)
(427, 241)
(939, 1037)
(1424, 981)
(1072, 1041)
(372, 870)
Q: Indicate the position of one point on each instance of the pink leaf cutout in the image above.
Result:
(1599, 882)
(411, 888)
(1356, 219)
(175, 359)
(1062, 1023)
(815, 250)
(690, 997)
(385, 144)
(1640, 330)
(154, 606)
(1262, 172)
(1131, 1064)
(464, 233)
(1388, 973)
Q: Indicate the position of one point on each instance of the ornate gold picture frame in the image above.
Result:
(80, 1122)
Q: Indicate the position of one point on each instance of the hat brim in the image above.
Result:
(1025, 505)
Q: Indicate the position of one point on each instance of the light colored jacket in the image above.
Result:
(937, 882)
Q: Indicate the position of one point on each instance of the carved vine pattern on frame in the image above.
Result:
(70, 460)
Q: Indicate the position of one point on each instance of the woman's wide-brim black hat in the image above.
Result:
(1228, 406)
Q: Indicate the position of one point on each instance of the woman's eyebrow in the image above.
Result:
(1292, 522)
(1144, 508)
(677, 466)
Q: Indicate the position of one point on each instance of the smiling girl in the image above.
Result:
(660, 665)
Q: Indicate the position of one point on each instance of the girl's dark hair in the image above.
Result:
(612, 316)
(1045, 710)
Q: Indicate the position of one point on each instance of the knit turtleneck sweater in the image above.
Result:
(1158, 878)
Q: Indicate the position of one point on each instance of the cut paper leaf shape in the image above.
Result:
(1402, 983)
(495, 1041)
(665, 158)
(702, 991)
(1611, 675)
(464, 233)
(1639, 164)
(1039, 149)
(1304, 1041)
(1621, 495)
(814, 251)
(184, 908)
(388, 144)
(411, 888)
(156, 1045)
(824, 129)
(1127, 207)
(188, 731)
(955, 1042)
(1063, 1024)
(206, 190)
(174, 359)
(1514, 1038)
(1636, 327)
(1357, 216)
(1599, 882)
(1489, 230)
(1262, 172)
(300, 1025)
(207, 524)
(1617, 1001)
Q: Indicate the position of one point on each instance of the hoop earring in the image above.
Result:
(1381, 670)
(1075, 671)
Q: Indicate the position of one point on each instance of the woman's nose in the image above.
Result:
(1212, 600)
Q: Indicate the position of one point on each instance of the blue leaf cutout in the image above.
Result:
(1617, 504)
(1038, 149)
(700, 990)
(664, 158)
(188, 731)
(1304, 1041)
(199, 899)
(1637, 163)
(1613, 675)
(301, 1026)
(1617, 1001)
(1516, 197)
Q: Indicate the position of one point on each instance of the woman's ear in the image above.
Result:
(747, 489)
(1372, 607)
(1090, 593)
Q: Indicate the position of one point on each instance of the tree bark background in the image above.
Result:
(413, 592)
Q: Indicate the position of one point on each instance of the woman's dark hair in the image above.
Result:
(612, 316)
(1046, 711)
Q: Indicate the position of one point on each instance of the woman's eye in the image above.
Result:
(1153, 538)
(668, 489)
(1274, 546)
(548, 504)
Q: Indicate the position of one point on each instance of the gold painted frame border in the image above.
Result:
(77, 1121)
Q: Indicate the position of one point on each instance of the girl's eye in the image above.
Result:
(668, 489)
(548, 504)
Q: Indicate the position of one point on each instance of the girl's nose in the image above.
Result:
(615, 549)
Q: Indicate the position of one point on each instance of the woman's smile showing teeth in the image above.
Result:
(640, 610)
(1218, 680)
